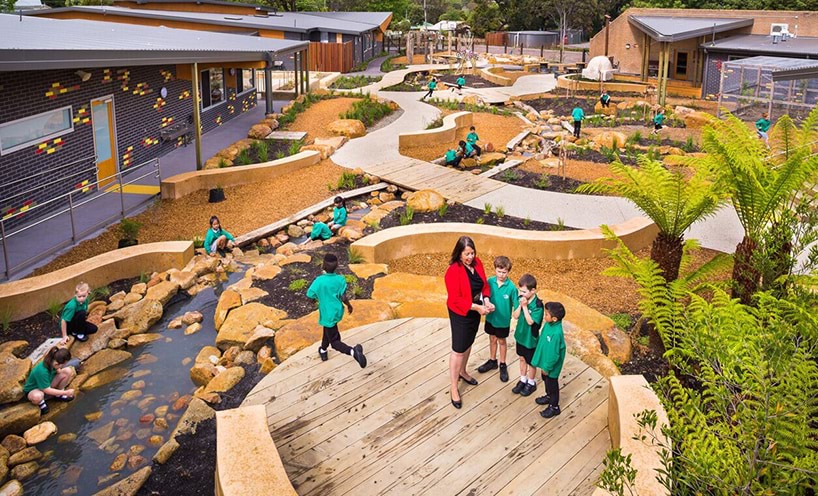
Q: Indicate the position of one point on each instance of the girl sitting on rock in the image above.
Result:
(217, 239)
(324, 231)
(49, 378)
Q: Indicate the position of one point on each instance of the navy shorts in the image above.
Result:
(526, 353)
(499, 332)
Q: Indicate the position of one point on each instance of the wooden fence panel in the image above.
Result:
(498, 38)
(330, 57)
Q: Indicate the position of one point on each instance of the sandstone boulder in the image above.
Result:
(367, 270)
(335, 142)
(260, 336)
(259, 131)
(202, 373)
(105, 377)
(183, 279)
(491, 158)
(217, 162)
(24, 471)
(196, 413)
(241, 323)
(350, 128)
(204, 264)
(251, 294)
(228, 300)
(165, 290)
(266, 272)
(325, 151)
(12, 488)
(128, 486)
(295, 231)
(296, 258)
(472, 100)
(697, 119)
(225, 381)
(610, 139)
(412, 295)
(104, 359)
(206, 355)
(13, 348)
(139, 317)
(618, 344)
(131, 298)
(12, 444)
(39, 433)
(96, 342)
(193, 329)
(610, 110)
(350, 233)
(13, 374)
(24, 456)
(426, 200)
(140, 339)
(96, 310)
(18, 418)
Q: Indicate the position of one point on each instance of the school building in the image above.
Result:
(687, 47)
(85, 100)
(338, 40)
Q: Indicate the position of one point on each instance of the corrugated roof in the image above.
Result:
(281, 21)
(374, 18)
(40, 43)
(801, 47)
(682, 28)
(782, 68)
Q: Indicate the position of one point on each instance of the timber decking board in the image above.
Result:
(391, 429)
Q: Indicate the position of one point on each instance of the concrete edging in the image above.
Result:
(487, 74)
(186, 183)
(247, 461)
(27, 297)
(403, 241)
(447, 133)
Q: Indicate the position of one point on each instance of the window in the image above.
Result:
(212, 87)
(28, 131)
(245, 80)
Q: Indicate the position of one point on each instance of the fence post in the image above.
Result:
(71, 215)
(522, 46)
(542, 50)
(487, 45)
(5, 248)
(505, 47)
(121, 195)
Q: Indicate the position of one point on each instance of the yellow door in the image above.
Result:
(102, 117)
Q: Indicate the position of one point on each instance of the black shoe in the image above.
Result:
(44, 409)
(543, 400)
(528, 389)
(518, 387)
(64, 398)
(489, 365)
(457, 404)
(323, 354)
(503, 372)
(551, 411)
(80, 337)
(358, 355)
(471, 381)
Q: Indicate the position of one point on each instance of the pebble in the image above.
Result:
(147, 418)
(136, 449)
(70, 490)
(156, 440)
(159, 425)
(160, 411)
(66, 438)
(119, 462)
(140, 373)
(138, 385)
(187, 361)
(93, 417)
(125, 436)
(131, 395)
(143, 434)
(136, 461)
(116, 412)
(121, 422)
(181, 403)
(104, 479)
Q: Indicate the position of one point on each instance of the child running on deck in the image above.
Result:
(330, 290)
(529, 315)
(505, 298)
(549, 356)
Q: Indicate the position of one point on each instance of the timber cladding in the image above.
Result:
(331, 57)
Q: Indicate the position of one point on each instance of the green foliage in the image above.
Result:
(144, 277)
(368, 111)
(388, 66)
(355, 256)
(223, 163)
(543, 182)
(618, 474)
(297, 284)
(357, 289)
(500, 211)
(280, 154)
(5, 319)
(634, 138)
(99, 294)
(438, 122)
(560, 224)
(198, 242)
(487, 208)
(610, 153)
(346, 181)
(527, 221)
(689, 145)
(352, 82)
(407, 215)
(54, 309)
(243, 158)
(509, 176)
(485, 17)
(469, 107)
(480, 220)
(350, 278)
(441, 212)
(295, 147)
(130, 228)
(622, 320)
(261, 147)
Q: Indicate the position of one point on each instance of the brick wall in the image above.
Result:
(140, 114)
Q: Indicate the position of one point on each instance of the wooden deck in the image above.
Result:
(416, 174)
(391, 429)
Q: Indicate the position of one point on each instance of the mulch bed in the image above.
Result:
(463, 213)
(37, 328)
(528, 179)
(416, 81)
(471, 81)
(562, 105)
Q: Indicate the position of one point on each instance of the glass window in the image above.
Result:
(212, 87)
(248, 79)
(28, 131)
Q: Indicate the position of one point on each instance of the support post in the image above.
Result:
(607, 24)
(296, 67)
(5, 249)
(645, 70)
(770, 102)
(268, 90)
(721, 90)
(197, 115)
(307, 68)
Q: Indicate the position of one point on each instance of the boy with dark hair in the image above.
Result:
(329, 289)
(577, 114)
(529, 315)
(549, 356)
(505, 299)
(472, 138)
(605, 99)
(658, 121)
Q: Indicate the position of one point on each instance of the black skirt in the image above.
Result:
(464, 330)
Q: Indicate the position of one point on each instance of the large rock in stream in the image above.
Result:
(13, 373)
(138, 317)
(128, 486)
(241, 323)
(18, 418)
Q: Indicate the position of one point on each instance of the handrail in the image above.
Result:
(47, 171)
(62, 179)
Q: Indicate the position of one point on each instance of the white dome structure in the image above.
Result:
(599, 69)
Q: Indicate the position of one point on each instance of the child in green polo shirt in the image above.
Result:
(577, 114)
(763, 127)
(217, 239)
(49, 378)
(453, 157)
(472, 139)
(329, 289)
(658, 121)
(529, 315)
(505, 298)
(72, 320)
(605, 99)
(461, 82)
(549, 356)
(431, 85)
(324, 231)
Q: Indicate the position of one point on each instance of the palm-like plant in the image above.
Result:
(762, 183)
(671, 201)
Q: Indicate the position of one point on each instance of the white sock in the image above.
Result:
(531, 381)
(322, 350)
(352, 352)
(524, 379)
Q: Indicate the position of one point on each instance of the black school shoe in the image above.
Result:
(323, 354)
(43, 409)
(489, 365)
(551, 411)
(80, 337)
(542, 400)
(528, 389)
(503, 372)
(519, 387)
(358, 355)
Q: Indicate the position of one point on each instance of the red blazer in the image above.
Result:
(458, 287)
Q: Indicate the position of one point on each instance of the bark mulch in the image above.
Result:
(547, 181)
(463, 213)
(471, 81)
(315, 119)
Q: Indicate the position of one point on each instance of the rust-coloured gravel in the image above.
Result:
(315, 119)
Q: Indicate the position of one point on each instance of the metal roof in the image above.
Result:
(34, 43)
(782, 68)
(200, 2)
(800, 47)
(281, 21)
(377, 18)
(683, 28)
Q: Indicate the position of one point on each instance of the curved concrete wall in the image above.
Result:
(446, 134)
(489, 75)
(188, 182)
(28, 297)
(403, 241)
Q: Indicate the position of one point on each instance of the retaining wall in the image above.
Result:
(28, 297)
(446, 134)
(189, 182)
(403, 241)
(489, 75)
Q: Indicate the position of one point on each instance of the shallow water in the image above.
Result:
(81, 466)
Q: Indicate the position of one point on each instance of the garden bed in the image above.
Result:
(544, 181)
(417, 81)
(352, 82)
(266, 150)
(490, 215)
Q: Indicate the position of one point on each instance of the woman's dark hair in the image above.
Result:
(340, 199)
(216, 219)
(461, 245)
(61, 355)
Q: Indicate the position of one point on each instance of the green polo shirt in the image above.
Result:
(432, 85)
(451, 155)
(472, 137)
(550, 353)
(577, 114)
(524, 335)
(39, 378)
(328, 289)
(339, 216)
(505, 299)
(763, 125)
(659, 119)
(73, 307)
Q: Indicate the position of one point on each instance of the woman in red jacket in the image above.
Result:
(468, 300)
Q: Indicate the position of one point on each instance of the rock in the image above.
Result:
(156, 440)
(579, 341)
(116, 305)
(697, 119)
(425, 201)
(24, 456)
(294, 231)
(139, 317)
(119, 462)
(181, 403)
(618, 343)
(601, 364)
(66, 438)
(13, 374)
(193, 329)
(96, 310)
(608, 138)
(259, 131)
(225, 381)
(205, 354)
(202, 373)
(140, 339)
(192, 318)
(139, 288)
(245, 358)
(104, 359)
(610, 110)
(166, 451)
(13, 348)
(229, 356)
(183, 279)
(131, 298)
(267, 366)
(412, 295)
(287, 248)
(39, 433)
(11, 444)
(131, 395)
(96, 342)
(175, 323)
(472, 100)
(165, 290)
(386, 197)
(260, 336)
(128, 486)
(12, 488)
(160, 425)
(196, 412)
(325, 151)
(117, 296)
(228, 300)
(105, 377)
(296, 258)
(335, 142)
(251, 294)
(242, 322)
(24, 471)
(350, 128)
(266, 272)
(204, 264)
(350, 234)
(18, 418)
(305, 331)
(491, 158)
(264, 352)
(93, 416)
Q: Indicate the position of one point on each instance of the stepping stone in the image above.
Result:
(287, 135)
(41, 350)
